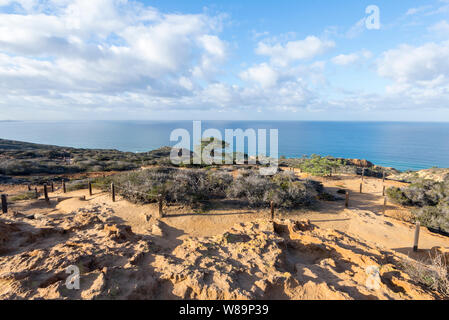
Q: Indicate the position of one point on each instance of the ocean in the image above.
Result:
(404, 146)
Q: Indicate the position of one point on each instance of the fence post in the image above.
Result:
(272, 209)
(64, 190)
(361, 187)
(113, 191)
(36, 193)
(415, 243)
(29, 187)
(383, 177)
(52, 186)
(385, 204)
(161, 212)
(383, 191)
(4, 204)
(347, 199)
(90, 188)
(363, 174)
(46, 193)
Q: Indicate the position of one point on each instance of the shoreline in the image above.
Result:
(20, 146)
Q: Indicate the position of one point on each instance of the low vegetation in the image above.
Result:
(429, 200)
(24, 196)
(317, 165)
(433, 275)
(23, 159)
(195, 186)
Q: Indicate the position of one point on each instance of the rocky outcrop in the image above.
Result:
(360, 163)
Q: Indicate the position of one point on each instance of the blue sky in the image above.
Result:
(232, 60)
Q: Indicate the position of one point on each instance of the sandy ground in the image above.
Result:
(182, 235)
(364, 217)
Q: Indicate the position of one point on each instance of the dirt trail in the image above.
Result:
(366, 219)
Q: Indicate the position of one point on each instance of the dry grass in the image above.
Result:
(433, 274)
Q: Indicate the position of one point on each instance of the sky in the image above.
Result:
(224, 60)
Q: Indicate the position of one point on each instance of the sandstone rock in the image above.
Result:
(118, 232)
(96, 288)
(361, 163)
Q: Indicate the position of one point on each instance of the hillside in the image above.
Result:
(27, 159)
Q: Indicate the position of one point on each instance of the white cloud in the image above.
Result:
(105, 49)
(415, 65)
(263, 74)
(284, 54)
(107, 55)
(441, 27)
(345, 59)
(420, 75)
(357, 29)
(413, 11)
(352, 58)
(115, 56)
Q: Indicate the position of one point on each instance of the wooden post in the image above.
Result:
(361, 187)
(89, 185)
(113, 191)
(272, 209)
(363, 174)
(383, 191)
(415, 243)
(383, 177)
(347, 199)
(52, 185)
(36, 193)
(161, 212)
(4, 204)
(64, 190)
(46, 193)
(29, 187)
(385, 204)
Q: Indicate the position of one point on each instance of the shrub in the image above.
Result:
(319, 166)
(176, 186)
(76, 185)
(24, 196)
(284, 189)
(433, 275)
(436, 217)
(396, 195)
(254, 188)
(430, 199)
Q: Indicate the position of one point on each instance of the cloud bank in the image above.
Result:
(112, 56)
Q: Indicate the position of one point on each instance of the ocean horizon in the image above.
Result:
(401, 145)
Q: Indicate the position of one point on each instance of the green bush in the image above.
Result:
(396, 195)
(430, 200)
(319, 166)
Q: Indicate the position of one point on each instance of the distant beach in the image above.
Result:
(404, 146)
